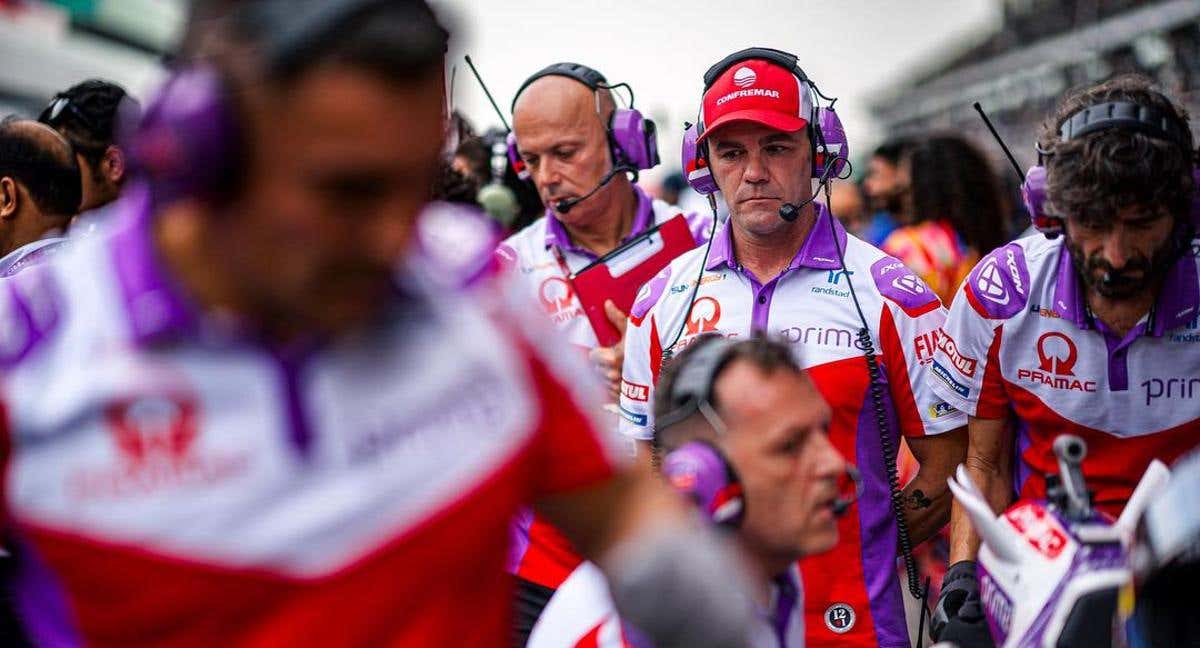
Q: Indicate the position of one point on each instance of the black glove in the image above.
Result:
(958, 616)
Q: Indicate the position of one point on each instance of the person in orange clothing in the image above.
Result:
(958, 210)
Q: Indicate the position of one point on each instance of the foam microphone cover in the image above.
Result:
(499, 202)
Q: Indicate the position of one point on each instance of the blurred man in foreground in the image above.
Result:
(39, 192)
(251, 414)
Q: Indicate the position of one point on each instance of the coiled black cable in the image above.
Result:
(881, 420)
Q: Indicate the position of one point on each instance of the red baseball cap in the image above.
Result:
(759, 91)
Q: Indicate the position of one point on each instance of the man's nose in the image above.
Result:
(548, 175)
(1116, 248)
(756, 169)
(832, 465)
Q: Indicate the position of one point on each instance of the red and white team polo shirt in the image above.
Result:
(852, 596)
(1020, 338)
(170, 482)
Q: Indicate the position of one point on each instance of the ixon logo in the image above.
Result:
(1170, 388)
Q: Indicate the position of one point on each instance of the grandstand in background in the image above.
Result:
(1043, 48)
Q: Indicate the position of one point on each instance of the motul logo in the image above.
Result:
(965, 365)
(634, 391)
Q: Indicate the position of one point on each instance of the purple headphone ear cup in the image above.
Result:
(836, 149)
(694, 163)
(698, 470)
(634, 139)
(1033, 194)
(187, 143)
(514, 158)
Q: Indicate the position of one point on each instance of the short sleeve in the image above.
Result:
(643, 357)
(965, 370)
(908, 339)
(908, 327)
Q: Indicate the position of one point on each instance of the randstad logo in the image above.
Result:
(704, 316)
(744, 77)
(835, 276)
(1056, 364)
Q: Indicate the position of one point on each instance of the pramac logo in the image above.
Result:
(555, 294)
(1051, 356)
(1056, 364)
(704, 316)
(157, 440)
(153, 429)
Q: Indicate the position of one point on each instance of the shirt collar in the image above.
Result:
(1177, 302)
(819, 250)
(556, 232)
(155, 307)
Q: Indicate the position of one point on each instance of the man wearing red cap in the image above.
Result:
(783, 265)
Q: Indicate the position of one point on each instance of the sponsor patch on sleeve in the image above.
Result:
(940, 409)
(633, 417)
(944, 375)
(634, 391)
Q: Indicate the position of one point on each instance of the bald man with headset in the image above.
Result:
(583, 153)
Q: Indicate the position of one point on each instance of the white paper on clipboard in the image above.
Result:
(634, 256)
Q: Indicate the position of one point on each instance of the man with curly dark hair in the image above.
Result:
(1093, 332)
(89, 115)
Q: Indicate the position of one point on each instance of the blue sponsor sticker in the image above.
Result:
(940, 372)
(633, 417)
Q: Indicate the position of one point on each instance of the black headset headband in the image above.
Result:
(578, 71)
(778, 57)
(1126, 115)
(694, 382)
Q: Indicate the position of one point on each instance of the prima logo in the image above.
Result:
(831, 337)
(1170, 388)
(744, 77)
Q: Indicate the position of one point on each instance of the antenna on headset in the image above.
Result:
(488, 93)
(1003, 146)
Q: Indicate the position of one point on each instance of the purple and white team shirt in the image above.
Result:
(852, 596)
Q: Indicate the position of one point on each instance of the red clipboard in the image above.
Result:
(618, 275)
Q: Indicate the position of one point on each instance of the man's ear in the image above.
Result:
(112, 165)
(10, 197)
